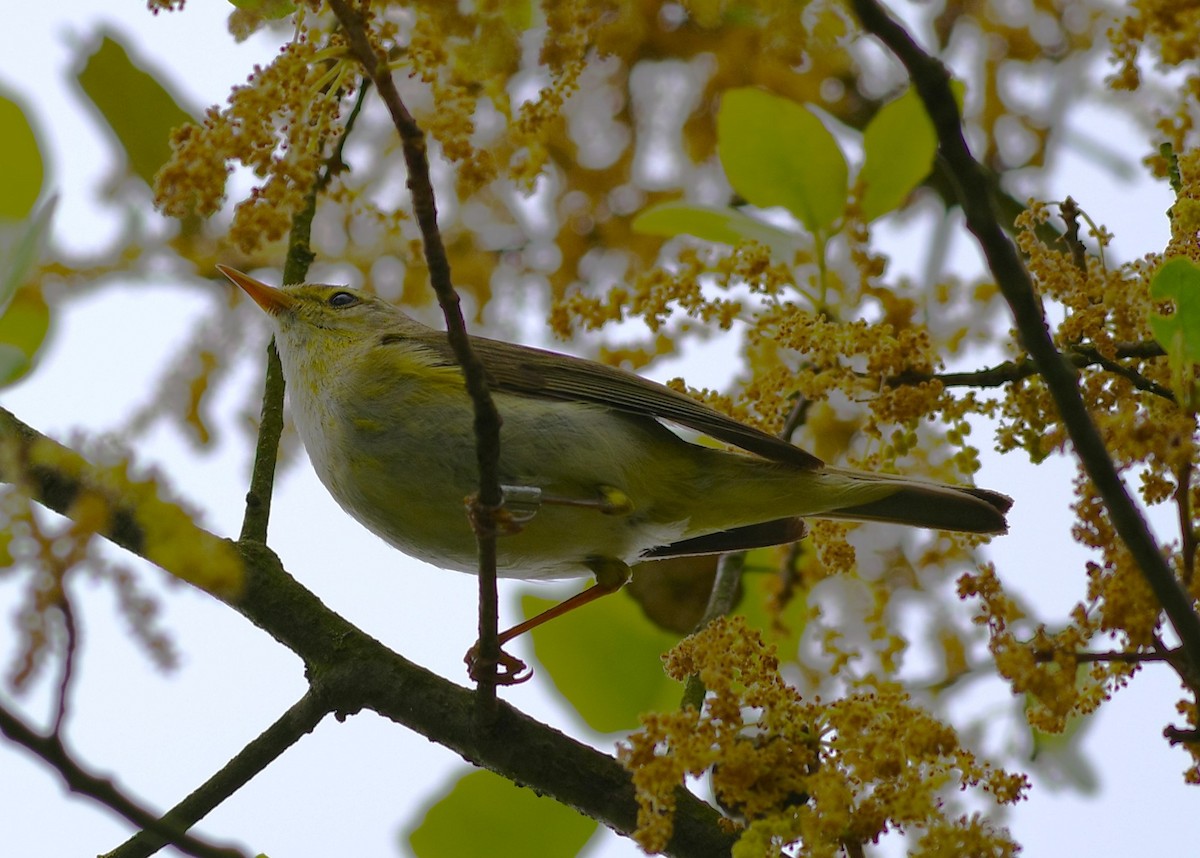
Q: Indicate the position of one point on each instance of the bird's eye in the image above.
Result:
(342, 299)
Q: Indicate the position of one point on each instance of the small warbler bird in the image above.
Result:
(589, 471)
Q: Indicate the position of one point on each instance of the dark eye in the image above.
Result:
(342, 299)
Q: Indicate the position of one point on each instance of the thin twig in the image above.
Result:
(50, 750)
(1187, 533)
(1176, 736)
(295, 268)
(266, 452)
(1021, 368)
(1070, 215)
(487, 418)
(296, 722)
(932, 82)
(68, 670)
(1084, 657)
(721, 600)
(730, 567)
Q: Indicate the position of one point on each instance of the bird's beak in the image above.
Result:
(273, 300)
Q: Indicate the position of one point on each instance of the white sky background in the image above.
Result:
(350, 787)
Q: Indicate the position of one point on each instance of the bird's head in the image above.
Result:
(310, 313)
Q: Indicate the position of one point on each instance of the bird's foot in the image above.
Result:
(505, 670)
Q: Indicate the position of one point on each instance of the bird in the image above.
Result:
(593, 477)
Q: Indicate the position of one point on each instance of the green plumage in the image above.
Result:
(379, 403)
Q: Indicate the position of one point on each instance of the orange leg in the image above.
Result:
(611, 576)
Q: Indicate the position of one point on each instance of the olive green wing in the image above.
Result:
(535, 372)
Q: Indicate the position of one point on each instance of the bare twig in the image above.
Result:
(297, 721)
(1070, 215)
(68, 670)
(1187, 533)
(295, 269)
(1176, 736)
(932, 83)
(721, 600)
(730, 567)
(51, 751)
(487, 418)
(1085, 657)
(1015, 370)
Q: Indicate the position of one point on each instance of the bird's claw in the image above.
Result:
(505, 670)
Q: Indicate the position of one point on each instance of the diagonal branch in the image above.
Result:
(487, 418)
(51, 750)
(1080, 356)
(351, 671)
(301, 718)
(932, 82)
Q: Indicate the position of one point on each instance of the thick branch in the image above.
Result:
(487, 418)
(351, 671)
(51, 751)
(932, 82)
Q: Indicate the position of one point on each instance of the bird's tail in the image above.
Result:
(921, 504)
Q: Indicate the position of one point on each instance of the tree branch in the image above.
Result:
(1085, 656)
(351, 671)
(487, 418)
(295, 269)
(1079, 356)
(51, 751)
(932, 83)
(300, 719)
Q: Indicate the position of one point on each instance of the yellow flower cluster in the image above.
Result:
(1172, 27)
(791, 771)
(279, 125)
(1126, 383)
(1043, 667)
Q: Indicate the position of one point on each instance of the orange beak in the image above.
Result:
(269, 298)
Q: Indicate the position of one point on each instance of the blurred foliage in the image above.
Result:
(135, 105)
(483, 814)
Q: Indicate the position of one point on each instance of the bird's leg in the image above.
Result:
(611, 576)
(524, 502)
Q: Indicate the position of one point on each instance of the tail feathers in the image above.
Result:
(936, 506)
(778, 532)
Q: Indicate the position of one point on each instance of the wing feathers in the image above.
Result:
(533, 372)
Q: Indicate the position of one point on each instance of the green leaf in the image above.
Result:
(605, 660)
(484, 814)
(24, 316)
(777, 153)
(269, 9)
(21, 247)
(1178, 280)
(23, 329)
(21, 156)
(716, 224)
(899, 145)
(138, 109)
